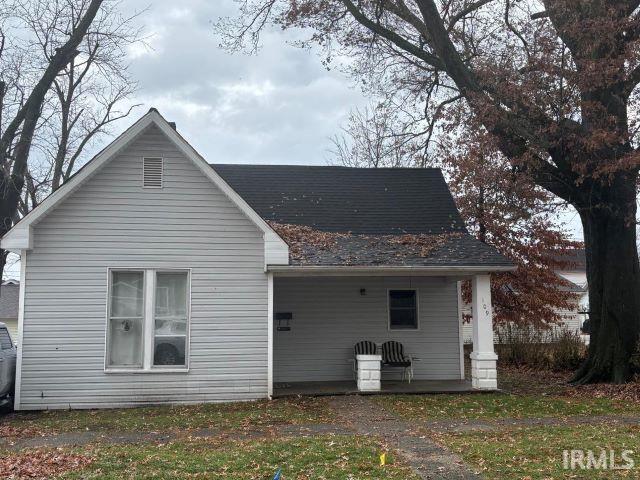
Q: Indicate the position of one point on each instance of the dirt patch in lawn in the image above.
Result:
(529, 381)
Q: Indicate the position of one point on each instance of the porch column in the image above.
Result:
(269, 335)
(483, 358)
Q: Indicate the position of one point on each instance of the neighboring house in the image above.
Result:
(153, 277)
(9, 297)
(576, 274)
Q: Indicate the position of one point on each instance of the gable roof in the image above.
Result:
(20, 237)
(402, 217)
(375, 201)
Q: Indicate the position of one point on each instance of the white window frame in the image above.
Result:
(148, 322)
(395, 329)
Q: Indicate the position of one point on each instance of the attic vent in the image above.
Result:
(152, 172)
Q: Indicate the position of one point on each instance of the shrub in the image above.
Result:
(554, 349)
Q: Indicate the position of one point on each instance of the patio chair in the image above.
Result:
(393, 356)
(365, 347)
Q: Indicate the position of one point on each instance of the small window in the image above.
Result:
(5, 340)
(403, 313)
(152, 170)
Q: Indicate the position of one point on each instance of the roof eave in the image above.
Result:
(434, 270)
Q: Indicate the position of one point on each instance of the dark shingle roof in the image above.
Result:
(377, 201)
(369, 204)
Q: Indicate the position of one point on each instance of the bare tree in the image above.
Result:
(87, 97)
(375, 137)
(552, 82)
(65, 24)
(62, 81)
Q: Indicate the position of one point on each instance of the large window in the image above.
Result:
(148, 320)
(403, 310)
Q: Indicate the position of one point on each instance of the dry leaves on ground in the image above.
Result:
(531, 381)
(628, 392)
(10, 431)
(40, 464)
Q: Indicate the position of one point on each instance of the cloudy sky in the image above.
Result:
(280, 106)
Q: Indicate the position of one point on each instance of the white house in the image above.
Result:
(154, 277)
(576, 273)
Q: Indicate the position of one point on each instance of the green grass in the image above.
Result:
(537, 453)
(499, 405)
(322, 457)
(215, 416)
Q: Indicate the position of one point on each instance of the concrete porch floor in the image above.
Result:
(318, 389)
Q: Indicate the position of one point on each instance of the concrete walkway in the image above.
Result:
(428, 459)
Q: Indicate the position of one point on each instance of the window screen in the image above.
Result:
(126, 319)
(170, 334)
(402, 310)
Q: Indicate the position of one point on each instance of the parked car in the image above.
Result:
(7, 367)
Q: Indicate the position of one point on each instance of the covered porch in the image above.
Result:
(317, 316)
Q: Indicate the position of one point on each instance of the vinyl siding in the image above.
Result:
(112, 222)
(330, 316)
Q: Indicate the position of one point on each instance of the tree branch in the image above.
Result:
(402, 43)
(472, 7)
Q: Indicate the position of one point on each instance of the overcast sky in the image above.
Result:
(279, 106)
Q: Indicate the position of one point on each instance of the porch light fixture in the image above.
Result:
(363, 291)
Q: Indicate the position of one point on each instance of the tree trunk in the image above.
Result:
(614, 290)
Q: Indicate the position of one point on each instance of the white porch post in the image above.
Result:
(269, 335)
(483, 358)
